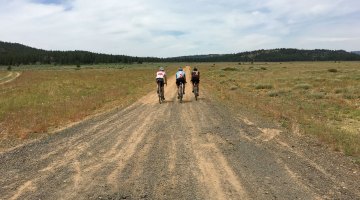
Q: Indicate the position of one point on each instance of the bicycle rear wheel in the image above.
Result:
(196, 92)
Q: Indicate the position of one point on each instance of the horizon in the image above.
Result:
(171, 29)
(185, 55)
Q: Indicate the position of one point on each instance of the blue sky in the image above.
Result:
(48, 1)
(167, 28)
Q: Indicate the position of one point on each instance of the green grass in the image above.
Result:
(323, 101)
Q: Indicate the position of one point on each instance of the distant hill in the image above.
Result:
(16, 54)
(275, 55)
(356, 52)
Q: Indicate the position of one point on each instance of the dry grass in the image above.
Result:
(41, 100)
(6, 76)
(323, 103)
(3, 73)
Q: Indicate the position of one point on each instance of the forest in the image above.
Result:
(14, 54)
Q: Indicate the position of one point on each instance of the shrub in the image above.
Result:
(263, 86)
(318, 95)
(304, 86)
(333, 70)
(273, 93)
(349, 96)
(234, 87)
(340, 90)
(9, 68)
(229, 69)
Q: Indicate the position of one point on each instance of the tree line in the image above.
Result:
(274, 55)
(18, 54)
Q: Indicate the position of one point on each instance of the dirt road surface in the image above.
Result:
(193, 150)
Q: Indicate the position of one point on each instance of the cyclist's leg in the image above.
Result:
(162, 89)
(183, 86)
(192, 83)
(177, 84)
(197, 84)
(157, 85)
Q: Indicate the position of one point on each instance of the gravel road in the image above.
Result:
(194, 150)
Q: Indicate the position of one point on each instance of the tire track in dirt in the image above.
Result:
(305, 171)
(216, 174)
(10, 77)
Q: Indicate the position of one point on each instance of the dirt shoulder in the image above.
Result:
(194, 150)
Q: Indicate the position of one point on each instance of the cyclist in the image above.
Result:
(195, 78)
(161, 78)
(180, 78)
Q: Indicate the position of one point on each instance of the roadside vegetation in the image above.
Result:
(40, 101)
(314, 98)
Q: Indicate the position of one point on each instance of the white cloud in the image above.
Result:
(171, 28)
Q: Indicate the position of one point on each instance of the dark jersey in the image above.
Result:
(195, 75)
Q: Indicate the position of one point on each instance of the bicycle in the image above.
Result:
(196, 90)
(180, 92)
(160, 92)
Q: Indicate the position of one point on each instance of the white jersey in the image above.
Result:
(180, 74)
(160, 74)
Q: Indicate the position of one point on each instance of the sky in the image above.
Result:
(167, 28)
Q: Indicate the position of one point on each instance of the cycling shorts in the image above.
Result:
(161, 81)
(195, 80)
(180, 80)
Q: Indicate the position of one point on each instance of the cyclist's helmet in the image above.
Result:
(180, 68)
(195, 69)
(161, 69)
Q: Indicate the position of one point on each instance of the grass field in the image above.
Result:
(45, 98)
(316, 98)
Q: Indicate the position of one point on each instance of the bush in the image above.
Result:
(333, 70)
(229, 69)
(273, 93)
(304, 86)
(349, 96)
(234, 87)
(318, 95)
(263, 86)
(340, 90)
(9, 68)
